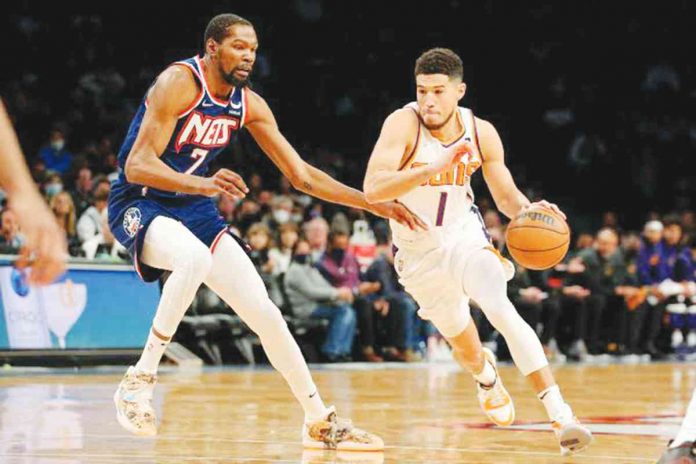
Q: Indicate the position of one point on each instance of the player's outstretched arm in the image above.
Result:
(508, 198)
(306, 178)
(45, 243)
(173, 92)
(386, 179)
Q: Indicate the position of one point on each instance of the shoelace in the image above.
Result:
(139, 385)
(337, 431)
(340, 429)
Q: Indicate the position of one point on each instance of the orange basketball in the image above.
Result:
(538, 238)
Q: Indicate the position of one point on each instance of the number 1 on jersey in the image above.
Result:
(199, 155)
(441, 209)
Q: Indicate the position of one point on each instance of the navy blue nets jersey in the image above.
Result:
(201, 133)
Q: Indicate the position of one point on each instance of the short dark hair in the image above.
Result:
(217, 28)
(440, 61)
(672, 220)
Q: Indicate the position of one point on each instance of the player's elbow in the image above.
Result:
(371, 194)
(134, 170)
(299, 178)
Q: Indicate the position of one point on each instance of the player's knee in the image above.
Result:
(266, 319)
(501, 313)
(196, 260)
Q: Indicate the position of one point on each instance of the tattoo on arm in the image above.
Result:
(307, 186)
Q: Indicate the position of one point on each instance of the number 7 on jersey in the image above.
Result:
(199, 155)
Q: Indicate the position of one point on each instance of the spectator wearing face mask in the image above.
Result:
(54, 155)
(341, 269)
(281, 212)
(53, 186)
(312, 296)
(260, 240)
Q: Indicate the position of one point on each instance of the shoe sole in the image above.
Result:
(492, 359)
(318, 445)
(125, 423)
(574, 439)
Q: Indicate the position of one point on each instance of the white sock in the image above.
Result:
(313, 406)
(152, 354)
(487, 375)
(556, 407)
(687, 432)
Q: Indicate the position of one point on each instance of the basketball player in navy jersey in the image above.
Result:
(45, 247)
(425, 157)
(160, 209)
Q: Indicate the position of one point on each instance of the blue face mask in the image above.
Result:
(54, 189)
(301, 259)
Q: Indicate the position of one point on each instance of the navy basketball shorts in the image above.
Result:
(129, 219)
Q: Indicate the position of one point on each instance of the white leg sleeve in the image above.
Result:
(234, 278)
(484, 281)
(171, 246)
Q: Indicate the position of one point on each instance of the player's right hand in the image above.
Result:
(453, 157)
(225, 182)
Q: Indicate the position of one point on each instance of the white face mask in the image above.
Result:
(281, 216)
(58, 145)
(53, 189)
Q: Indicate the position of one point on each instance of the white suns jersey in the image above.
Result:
(446, 199)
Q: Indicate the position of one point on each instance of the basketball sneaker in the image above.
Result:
(682, 454)
(332, 432)
(133, 401)
(494, 399)
(572, 435)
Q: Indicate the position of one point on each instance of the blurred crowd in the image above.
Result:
(617, 126)
(618, 292)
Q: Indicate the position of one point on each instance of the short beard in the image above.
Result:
(438, 126)
(233, 80)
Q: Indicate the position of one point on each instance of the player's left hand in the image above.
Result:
(400, 213)
(552, 206)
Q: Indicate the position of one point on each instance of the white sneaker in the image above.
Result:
(572, 436)
(133, 401)
(495, 400)
(332, 432)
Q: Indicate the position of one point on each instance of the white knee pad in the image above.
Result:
(449, 323)
(484, 281)
(196, 260)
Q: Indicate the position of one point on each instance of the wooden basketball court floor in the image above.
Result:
(425, 413)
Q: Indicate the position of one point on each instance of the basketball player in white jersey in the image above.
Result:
(424, 158)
